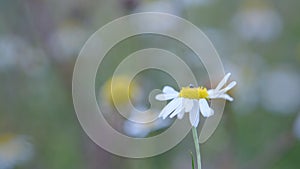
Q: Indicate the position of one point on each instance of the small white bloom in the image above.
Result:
(14, 150)
(282, 93)
(262, 24)
(193, 100)
(148, 123)
(296, 128)
(193, 3)
(157, 6)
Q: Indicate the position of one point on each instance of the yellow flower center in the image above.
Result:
(193, 93)
(121, 91)
(6, 138)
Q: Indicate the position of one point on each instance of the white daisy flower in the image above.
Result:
(193, 100)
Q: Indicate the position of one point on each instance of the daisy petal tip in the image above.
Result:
(157, 97)
(206, 115)
(229, 98)
(212, 112)
(227, 76)
(168, 89)
(234, 83)
(209, 114)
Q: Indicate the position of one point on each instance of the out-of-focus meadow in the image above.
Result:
(257, 40)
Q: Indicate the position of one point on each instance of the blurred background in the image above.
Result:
(258, 41)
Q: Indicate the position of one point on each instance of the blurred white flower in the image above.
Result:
(67, 42)
(16, 53)
(280, 91)
(8, 52)
(260, 23)
(247, 92)
(35, 63)
(14, 150)
(190, 3)
(158, 6)
(193, 100)
(296, 128)
(141, 130)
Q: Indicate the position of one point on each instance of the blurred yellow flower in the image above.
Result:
(120, 93)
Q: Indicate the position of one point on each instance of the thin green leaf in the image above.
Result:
(193, 161)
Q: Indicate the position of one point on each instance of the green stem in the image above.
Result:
(197, 147)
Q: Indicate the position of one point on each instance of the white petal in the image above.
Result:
(212, 112)
(204, 108)
(169, 90)
(223, 81)
(177, 111)
(181, 114)
(212, 93)
(170, 107)
(163, 97)
(187, 104)
(230, 86)
(226, 97)
(194, 114)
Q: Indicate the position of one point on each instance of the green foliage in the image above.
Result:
(193, 161)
